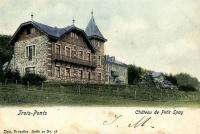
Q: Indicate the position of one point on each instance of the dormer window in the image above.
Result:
(30, 31)
(73, 35)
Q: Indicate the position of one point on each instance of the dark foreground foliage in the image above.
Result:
(14, 75)
(33, 78)
(187, 88)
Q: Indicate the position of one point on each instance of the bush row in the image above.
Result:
(32, 78)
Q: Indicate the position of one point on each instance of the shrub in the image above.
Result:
(171, 78)
(184, 79)
(187, 88)
(12, 75)
(33, 78)
(134, 74)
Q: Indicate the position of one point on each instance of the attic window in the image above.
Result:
(28, 31)
(32, 30)
(74, 35)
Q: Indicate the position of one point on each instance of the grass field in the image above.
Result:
(90, 95)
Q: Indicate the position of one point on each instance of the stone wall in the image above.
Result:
(99, 46)
(33, 33)
(76, 45)
(44, 63)
(39, 61)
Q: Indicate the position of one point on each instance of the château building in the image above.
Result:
(69, 54)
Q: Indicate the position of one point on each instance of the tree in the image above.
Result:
(185, 80)
(171, 78)
(6, 52)
(134, 74)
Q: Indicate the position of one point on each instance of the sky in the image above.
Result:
(159, 35)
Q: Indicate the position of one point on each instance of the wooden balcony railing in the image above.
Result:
(74, 60)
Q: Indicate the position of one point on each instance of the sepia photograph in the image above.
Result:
(99, 67)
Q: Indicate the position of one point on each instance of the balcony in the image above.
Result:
(74, 60)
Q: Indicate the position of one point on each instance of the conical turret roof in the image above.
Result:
(93, 31)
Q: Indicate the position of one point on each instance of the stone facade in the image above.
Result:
(63, 54)
(70, 58)
(39, 61)
(99, 46)
(115, 72)
(80, 58)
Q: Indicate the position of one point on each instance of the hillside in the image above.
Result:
(95, 95)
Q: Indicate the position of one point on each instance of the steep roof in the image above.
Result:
(93, 31)
(53, 32)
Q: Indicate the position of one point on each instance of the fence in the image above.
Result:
(134, 92)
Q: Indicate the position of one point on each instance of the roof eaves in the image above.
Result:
(95, 36)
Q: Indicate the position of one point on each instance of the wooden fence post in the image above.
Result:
(149, 95)
(5, 81)
(117, 92)
(135, 94)
(16, 83)
(28, 84)
(60, 84)
(98, 91)
(79, 90)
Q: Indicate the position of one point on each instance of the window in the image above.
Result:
(30, 52)
(80, 54)
(94, 57)
(99, 76)
(88, 75)
(67, 72)
(28, 31)
(99, 60)
(57, 49)
(57, 71)
(30, 70)
(67, 51)
(107, 78)
(97, 43)
(80, 74)
(73, 35)
(88, 56)
(32, 30)
(74, 54)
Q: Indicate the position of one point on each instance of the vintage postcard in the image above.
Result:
(99, 67)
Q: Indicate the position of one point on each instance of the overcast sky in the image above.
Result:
(160, 35)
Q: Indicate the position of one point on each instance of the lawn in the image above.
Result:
(95, 95)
